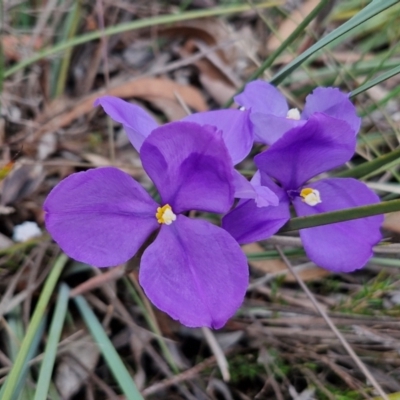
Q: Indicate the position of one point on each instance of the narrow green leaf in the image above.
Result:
(371, 166)
(139, 24)
(111, 356)
(273, 254)
(284, 45)
(152, 324)
(340, 216)
(373, 82)
(2, 58)
(33, 327)
(372, 9)
(71, 28)
(50, 352)
(16, 335)
(385, 262)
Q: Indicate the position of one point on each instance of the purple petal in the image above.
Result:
(343, 246)
(260, 96)
(332, 102)
(321, 144)
(195, 272)
(269, 128)
(248, 223)
(190, 166)
(100, 217)
(235, 126)
(137, 123)
(262, 195)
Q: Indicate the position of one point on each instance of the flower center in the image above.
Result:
(293, 113)
(310, 196)
(165, 215)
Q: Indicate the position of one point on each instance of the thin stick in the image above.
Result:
(104, 44)
(332, 326)
(218, 353)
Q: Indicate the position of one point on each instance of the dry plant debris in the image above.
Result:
(278, 346)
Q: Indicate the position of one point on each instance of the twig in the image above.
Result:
(104, 42)
(218, 353)
(188, 374)
(332, 326)
(98, 280)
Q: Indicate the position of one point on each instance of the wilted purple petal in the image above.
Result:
(137, 123)
(262, 195)
(195, 272)
(321, 144)
(248, 223)
(343, 246)
(332, 102)
(190, 166)
(261, 96)
(100, 217)
(235, 126)
(269, 128)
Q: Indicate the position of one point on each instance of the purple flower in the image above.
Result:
(320, 144)
(193, 270)
(271, 116)
(234, 125)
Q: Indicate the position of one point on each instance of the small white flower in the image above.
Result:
(26, 231)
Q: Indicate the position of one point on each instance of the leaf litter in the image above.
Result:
(277, 346)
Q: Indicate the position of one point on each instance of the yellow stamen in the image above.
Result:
(165, 215)
(310, 196)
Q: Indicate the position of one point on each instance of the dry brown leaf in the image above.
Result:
(70, 375)
(13, 46)
(276, 266)
(290, 24)
(173, 110)
(392, 222)
(216, 76)
(97, 160)
(220, 91)
(211, 31)
(5, 242)
(21, 182)
(145, 88)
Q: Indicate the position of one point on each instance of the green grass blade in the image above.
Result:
(16, 335)
(273, 254)
(385, 262)
(33, 327)
(26, 392)
(2, 57)
(152, 324)
(130, 26)
(371, 166)
(72, 25)
(379, 79)
(284, 45)
(372, 9)
(50, 352)
(111, 356)
(340, 216)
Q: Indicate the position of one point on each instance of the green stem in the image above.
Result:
(340, 216)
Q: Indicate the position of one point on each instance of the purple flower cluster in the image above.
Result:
(190, 268)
